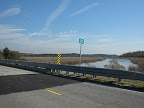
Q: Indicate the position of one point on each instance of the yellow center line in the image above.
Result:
(51, 91)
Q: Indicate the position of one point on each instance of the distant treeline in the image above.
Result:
(101, 55)
(134, 54)
(49, 55)
(16, 54)
(68, 55)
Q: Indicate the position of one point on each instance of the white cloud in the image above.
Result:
(47, 34)
(14, 38)
(70, 34)
(10, 12)
(105, 39)
(41, 46)
(64, 42)
(10, 32)
(86, 8)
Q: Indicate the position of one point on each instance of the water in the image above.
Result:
(100, 64)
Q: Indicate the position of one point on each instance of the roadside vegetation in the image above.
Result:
(133, 68)
(6, 53)
(113, 64)
(104, 80)
(140, 63)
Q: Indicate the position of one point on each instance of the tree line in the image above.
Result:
(6, 53)
(134, 54)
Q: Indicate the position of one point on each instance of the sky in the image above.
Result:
(55, 26)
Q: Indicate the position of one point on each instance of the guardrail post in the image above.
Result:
(119, 79)
(53, 70)
(67, 72)
(48, 70)
(94, 76)
(134, 76)
(84, 74)
(58, 71)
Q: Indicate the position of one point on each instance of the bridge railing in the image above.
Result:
(44, 67)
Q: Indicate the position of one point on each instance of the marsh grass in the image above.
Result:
(113, 64)
(140, 63)
(133, 68)
(64, 60)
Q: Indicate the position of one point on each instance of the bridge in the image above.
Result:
(29, 89)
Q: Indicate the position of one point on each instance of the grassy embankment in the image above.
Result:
(107, 80)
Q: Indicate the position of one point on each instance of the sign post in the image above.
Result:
(81, 41)
(59, 59)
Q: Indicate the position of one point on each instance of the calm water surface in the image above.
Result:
(100, 64)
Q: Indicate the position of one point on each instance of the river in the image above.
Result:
(100, 64)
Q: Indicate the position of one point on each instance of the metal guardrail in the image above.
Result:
(44, 67)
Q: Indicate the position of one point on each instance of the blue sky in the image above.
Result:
(54, 26)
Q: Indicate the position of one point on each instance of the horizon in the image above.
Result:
(49, 27)
(68, 53)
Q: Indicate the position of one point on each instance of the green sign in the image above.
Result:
(81, 41)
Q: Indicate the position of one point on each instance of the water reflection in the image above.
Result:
(100, 64)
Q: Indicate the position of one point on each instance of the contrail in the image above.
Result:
(57, 12)
(86, 8)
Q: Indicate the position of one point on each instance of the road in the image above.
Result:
(26, 89)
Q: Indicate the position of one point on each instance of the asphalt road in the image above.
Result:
(26, 89)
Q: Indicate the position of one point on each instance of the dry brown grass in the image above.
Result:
(139, 62)
(64, 60)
